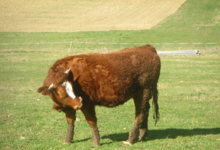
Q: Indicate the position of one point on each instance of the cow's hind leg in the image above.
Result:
(89, 113)
(141, 101)
(144, 125)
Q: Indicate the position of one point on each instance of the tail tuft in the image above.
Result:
(156, 115)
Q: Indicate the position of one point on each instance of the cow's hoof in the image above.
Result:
(126, 143)
(66, 142)
(96, 145)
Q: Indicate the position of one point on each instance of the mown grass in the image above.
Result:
(189, 98)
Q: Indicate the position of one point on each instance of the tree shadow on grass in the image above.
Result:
(166, 133)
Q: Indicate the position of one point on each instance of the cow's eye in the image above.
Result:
(61, 92)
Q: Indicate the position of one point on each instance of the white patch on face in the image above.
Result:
(69, 89)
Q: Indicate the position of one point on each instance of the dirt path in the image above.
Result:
(83, 15)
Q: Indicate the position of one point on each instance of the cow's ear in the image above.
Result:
(75, 77)
(43, 90)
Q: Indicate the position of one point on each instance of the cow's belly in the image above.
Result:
(111, 95)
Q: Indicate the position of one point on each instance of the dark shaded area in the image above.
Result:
(158, 134)
(82, 140)
(167, 133)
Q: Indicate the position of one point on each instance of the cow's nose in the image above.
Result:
(78, 107)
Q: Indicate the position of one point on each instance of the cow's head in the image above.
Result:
(62, 93)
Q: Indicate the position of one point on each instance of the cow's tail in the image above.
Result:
(155, 105)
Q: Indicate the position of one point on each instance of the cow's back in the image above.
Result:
(112, 78)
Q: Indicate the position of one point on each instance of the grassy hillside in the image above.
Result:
(194, 22)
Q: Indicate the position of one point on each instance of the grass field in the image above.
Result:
(189, 101)
(188, 86)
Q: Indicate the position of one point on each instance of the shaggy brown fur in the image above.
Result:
(106, 79)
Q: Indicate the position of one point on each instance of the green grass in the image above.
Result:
(189, 86)
(189, 107)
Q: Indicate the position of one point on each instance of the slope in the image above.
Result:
(83, 15)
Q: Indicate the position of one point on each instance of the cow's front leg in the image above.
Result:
(70, 117)
(89, 113)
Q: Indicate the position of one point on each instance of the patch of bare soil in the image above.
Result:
(83, 15)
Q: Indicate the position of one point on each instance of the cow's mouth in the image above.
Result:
(78, 107)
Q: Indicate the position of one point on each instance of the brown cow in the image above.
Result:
(106, 79)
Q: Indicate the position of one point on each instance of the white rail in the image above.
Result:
(186, 52)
